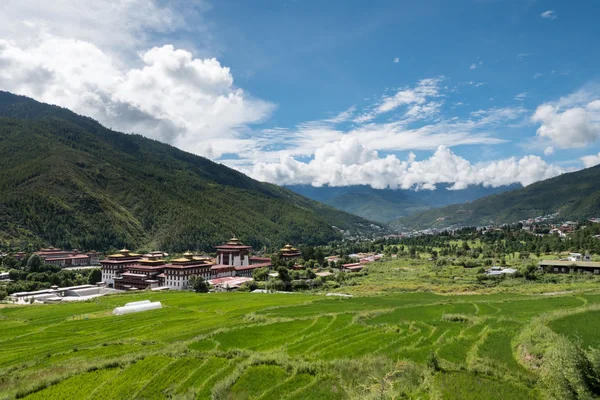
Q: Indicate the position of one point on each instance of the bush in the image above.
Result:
(198, 284)
(433, 363)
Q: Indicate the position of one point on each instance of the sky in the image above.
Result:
(392, 94)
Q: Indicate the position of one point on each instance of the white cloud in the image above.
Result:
(572, 121)
(163, 93)
(522, 56)
(114, 24)
(399, 135)
(348, 162)
(418, 97)
(591, 161)
(548, 151)
(549, 14)
(521, 96)
(396, 60)
(537, 75)
(476, 65)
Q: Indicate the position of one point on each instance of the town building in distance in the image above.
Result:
(64, 258)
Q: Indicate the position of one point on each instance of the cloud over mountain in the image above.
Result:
(348, 162)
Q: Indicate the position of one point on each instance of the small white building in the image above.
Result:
(496, 271)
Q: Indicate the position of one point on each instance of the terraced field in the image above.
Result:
(277, 346)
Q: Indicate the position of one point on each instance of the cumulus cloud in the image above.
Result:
(572, 121)
(114, 24)
(398, 135)
(396, 60)
(163, 93)
(591, 161)
(548, 151)
(549, 14)
(348, 162)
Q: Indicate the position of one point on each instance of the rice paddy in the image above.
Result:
(282, 346)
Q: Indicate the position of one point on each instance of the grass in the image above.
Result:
(579, 327)
(464, 386)
(270, 346)
(256, 380)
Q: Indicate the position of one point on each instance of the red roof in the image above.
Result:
(221, 267)
(352, 265)
(150, 268)
(121, 261)
(80, 256)
(230, 280)
(252, 266)
(232, 247)
(198, 264)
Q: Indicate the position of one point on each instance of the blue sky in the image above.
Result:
(386, 93)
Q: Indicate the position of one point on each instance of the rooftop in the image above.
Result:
(233, 243)
(252, 266)
(559, 263)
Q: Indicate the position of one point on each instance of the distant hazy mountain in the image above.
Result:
(68, 181)
(574, 195)
(387, 205)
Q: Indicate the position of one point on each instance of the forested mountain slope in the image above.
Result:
(385, 205)
(68, 181)
(574, 195)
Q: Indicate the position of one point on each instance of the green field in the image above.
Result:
(292, 346)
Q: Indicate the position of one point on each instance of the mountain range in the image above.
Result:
(574, 195)
(387, 205)
(68, 181)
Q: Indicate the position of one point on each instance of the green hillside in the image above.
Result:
(373, 207)
(385, 205)
(68, 181)
(574, 195)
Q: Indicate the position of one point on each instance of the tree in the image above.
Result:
(9, 262)
(284, 274)
(276, 260)
(198, 284)
(34, 263)
(260, 274)
(95, 276)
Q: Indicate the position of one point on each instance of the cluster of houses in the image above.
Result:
(363, 259)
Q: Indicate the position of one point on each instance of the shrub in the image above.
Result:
(433, 363)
